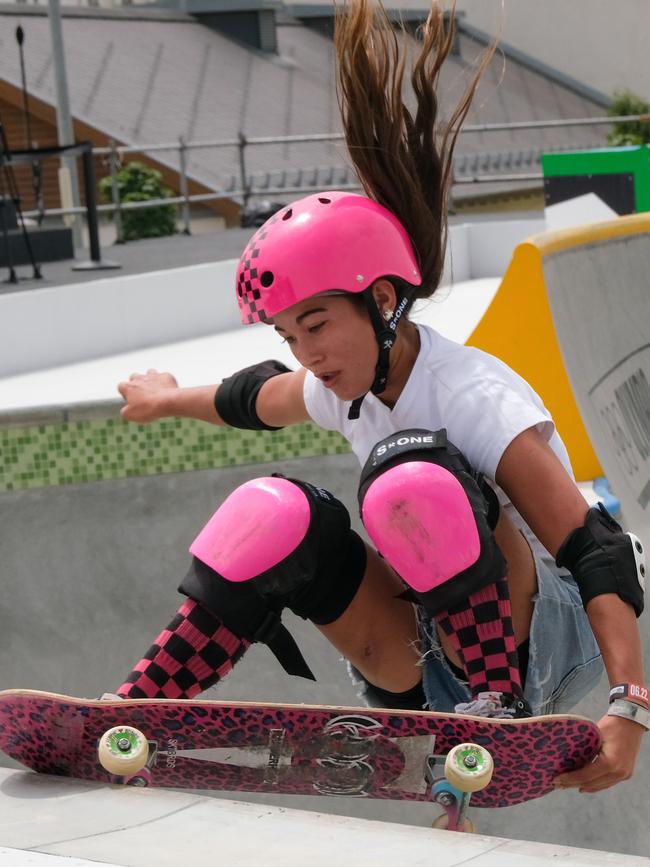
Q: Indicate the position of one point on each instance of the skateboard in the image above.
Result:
(297, 749)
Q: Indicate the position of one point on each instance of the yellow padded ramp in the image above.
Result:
(518, 329)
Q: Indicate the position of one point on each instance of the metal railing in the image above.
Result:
(243, 188)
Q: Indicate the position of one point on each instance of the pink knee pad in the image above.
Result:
(420, 519)
(254, 529)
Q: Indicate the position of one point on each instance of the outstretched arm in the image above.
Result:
(154, 395)
(551, 504)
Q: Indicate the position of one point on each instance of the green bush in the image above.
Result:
(632, 132)
(138, 183)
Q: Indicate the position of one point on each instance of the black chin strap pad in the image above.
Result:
(355, 408)
(386, 334)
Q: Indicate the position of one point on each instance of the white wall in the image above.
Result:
(478, 250)
(62, 325)
(603, 335)
(602, 44)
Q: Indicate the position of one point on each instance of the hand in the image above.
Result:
(145, 395)
(615, 761)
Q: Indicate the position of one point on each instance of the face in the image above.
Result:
(332, 337)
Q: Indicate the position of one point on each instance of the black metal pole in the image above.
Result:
(242, 168)
(20, 39)
(96, 262)
(12, 278)
(91, 204)
(37, 177)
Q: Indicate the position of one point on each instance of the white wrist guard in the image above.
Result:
(630, 710)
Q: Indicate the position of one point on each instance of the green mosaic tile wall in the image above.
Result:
(86, 451)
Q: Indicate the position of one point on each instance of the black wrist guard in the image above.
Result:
(237, 395)
(604, 559)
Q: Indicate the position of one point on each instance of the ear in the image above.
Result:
(384, 294)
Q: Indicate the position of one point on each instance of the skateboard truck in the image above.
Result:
(468, 768)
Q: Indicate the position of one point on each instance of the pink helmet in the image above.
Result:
(325, 242)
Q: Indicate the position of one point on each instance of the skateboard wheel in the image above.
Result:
(469, 767)
(123, 751)
(442, 823)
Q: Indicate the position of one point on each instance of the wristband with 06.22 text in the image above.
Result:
(631, 692)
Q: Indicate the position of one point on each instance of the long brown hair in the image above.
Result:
(404, 162)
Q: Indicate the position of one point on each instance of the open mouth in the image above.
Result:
(328, 379)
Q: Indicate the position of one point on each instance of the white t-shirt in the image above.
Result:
(481, 402)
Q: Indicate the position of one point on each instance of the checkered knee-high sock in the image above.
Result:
(480, 631)
(190, 655)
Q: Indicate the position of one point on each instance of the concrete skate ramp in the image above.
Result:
(90, 574)
(44, 820)
(598, 285)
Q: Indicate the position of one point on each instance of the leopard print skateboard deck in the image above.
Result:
(293, 749)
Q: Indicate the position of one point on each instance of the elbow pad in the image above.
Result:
(237, 395)
(604, 559)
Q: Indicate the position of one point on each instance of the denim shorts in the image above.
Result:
(564, 661)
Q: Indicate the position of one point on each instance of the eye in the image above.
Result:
(314, 329)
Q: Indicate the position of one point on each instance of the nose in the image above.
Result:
(310, 356)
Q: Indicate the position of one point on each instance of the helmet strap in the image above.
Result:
(386, 335)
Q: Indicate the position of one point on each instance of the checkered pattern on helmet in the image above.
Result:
(481, 632)
(190, 655)
(249, 293)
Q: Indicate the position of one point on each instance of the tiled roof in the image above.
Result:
(144, 76)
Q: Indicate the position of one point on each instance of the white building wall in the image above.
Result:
(603, 44)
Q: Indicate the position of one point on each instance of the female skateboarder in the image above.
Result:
(489, 587)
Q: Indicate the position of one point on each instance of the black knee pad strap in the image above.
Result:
(246, 613)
